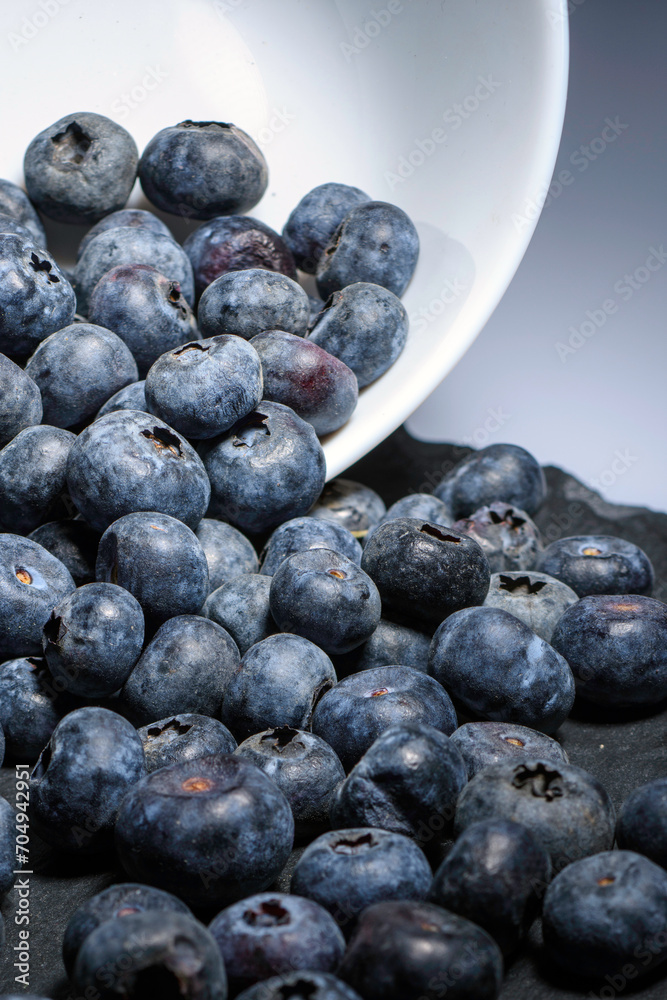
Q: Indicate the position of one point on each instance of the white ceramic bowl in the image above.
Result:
(452, 109)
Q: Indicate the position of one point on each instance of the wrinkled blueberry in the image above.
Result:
(132, 397)
(74, 543)
(350, 504)
(228, 552)
(241, 606)
(509, 539)
(20, 401)
(32, 476)
(246, 302)
(15, 202)
(501, 472)
(183, 737)
(30, 707)
(537, 599)
(311, 225)
(484, 743)
(598, 564)
(303, 533)
(37, 298)
(642, 822)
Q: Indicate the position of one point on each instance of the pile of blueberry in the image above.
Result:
(212, 657)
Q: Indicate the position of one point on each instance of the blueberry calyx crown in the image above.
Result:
(540, 780)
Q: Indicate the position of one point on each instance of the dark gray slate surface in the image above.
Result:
(622, 752)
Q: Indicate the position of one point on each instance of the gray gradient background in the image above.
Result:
(601, 413)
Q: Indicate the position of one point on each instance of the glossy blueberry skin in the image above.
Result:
(235, 243)
(389, 644)
(363, 325)
(203, 169)
(37, 298)
(77, 369)
(273, 933)
(15, 202)
(187, 736)
(128, 461)
(312, 224)
(159, 560)
(228, 552)
(376, 242)
(502, 472)
(617, 648)
(303, 533)
(267, 469)
(32, 581)
(316, 385)
(246, 302)
(566, 808)
(484, 743)
(347, 870)
(186, 667)
(205, 387)
(127, 245)
(305, 769)
(494, 875)
(20, 401)
(642, 822)
(538, 599)
(136, 956)
(350, 504)
(132, 397)
(508, 537)
(115, 903)
(73, 543)
(212, 830)
(92, 760)
(8, 821)
(279, 682)
(145, 309)
(425, 572)
(32, 476)
(415, 951)
(407, 782)
(30, 707)
(598, 564)
(135, 217)
(361, 707)
(80, 168)
(296, 985)
(241, 606)
(604, 912)
(93, 638)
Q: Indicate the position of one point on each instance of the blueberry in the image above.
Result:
(37, 298)
(537, 599)
(297, 985)
(187, 736)
(150, 954)
(203, 169)
(302, 533)
(129, 461)
(132, 397)
(349, 504)
(135, 217)
(484, 743)
(359, 708)
(20, 401)
(241, 606)
(245, 302)
(565, 807)
(80, 168)
(605, 912)
(495, 876)
(424, 571)
(235, 243)
(228, 552)
(501, 472)
(15, 202)
(32, 581)
(408, 782)
(501, 670)
(73, 543)
(93, 639)
(30, 708)
(347, 870)
(642, 822)
(267, 469)
(376, 242)
(279, 682)
(77, 369)
(211, 830)
(128, 245)
(617, 648)
(205, 387)
(32, 476)
(413, 951)
(305, 769)
(506, 535)
(10, 225)
(147, 310)
(365, 326)
(319, 388)
(270, 934)
(8, 846)
(93, 758)
(311, 225)
(598, 564)
(114, 903)
(159, 560)
(420, 505)
(389, 644)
